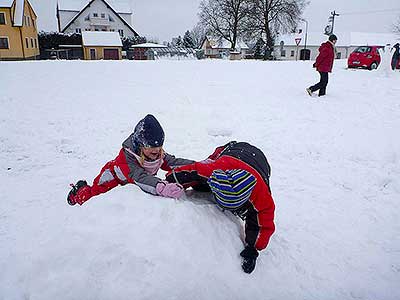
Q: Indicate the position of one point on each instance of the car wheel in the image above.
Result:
(373, 66)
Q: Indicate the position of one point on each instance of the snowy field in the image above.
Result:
(335, 181)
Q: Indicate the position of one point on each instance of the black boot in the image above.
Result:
(71, 198)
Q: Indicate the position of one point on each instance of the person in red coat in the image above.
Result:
(324, 64)
(238, 176)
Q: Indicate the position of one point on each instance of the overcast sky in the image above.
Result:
(164, 19)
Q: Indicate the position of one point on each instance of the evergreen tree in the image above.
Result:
(188, 40)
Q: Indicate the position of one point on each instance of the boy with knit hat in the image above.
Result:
(238, 176)
(138, 162)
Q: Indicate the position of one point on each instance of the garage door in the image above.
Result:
(111, 54)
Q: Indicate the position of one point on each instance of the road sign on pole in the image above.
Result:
(297, 40)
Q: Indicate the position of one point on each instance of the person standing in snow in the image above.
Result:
(138, 162)
(238, 176)
(396, 56)
(324, 64)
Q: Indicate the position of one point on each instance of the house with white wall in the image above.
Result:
(287, 49)
(76, 16)
(222, 48)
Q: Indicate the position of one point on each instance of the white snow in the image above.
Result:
(335, 180)
(6, 3)
(148, 45)
(101, 38)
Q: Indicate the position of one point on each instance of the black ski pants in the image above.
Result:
(321, 85)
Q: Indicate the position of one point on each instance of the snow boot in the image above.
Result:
(309, 91)
(80, 193)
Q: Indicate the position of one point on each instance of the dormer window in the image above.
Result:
(95, 15)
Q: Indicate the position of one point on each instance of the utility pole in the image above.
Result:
(334, 14)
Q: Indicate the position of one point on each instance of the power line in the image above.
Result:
(372, 11)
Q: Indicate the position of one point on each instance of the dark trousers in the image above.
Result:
(321, 85)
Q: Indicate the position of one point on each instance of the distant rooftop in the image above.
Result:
(101, 38)
(120, 6)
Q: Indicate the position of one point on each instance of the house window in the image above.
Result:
(36, 45)
(2, 18)
(95, 15)
(291, 53)
(110, 18)
(283, 53)
(32, 43)
(4, 43)
(96, 29)
(27, 42)
(78, 30)
(87, 18)
(121, 32)
(339, 55)
(29, 20)
(103, 16)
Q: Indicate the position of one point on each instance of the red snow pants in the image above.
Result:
(114, 173)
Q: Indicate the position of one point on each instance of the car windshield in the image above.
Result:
(363, 49)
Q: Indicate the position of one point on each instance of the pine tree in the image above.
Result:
(188, 40)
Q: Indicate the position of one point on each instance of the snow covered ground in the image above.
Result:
(335, 180)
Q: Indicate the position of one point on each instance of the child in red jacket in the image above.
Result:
(324, 64)
(138, 162)
(238, 176)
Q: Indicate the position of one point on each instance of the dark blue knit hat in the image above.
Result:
(231, 188)
(148, 133)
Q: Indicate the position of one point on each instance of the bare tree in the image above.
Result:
(198, 34)
(224, 19)
(266, 18)
(396, 26)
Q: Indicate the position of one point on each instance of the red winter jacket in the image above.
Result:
(259, 214)
(324, 61)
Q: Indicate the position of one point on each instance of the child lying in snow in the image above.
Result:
(138, 162)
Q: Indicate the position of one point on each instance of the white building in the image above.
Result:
(286, 48)
(222, 48)
(76, 16)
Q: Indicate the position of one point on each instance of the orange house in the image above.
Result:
(18, 30)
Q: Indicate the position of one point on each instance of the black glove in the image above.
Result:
(249, 255)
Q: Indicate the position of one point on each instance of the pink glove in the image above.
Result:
(171, 190)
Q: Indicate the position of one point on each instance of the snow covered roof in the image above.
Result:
(345, 39)
(101, 38)
(6, 3)
(120, 6)
(149, 45)
(18, 12)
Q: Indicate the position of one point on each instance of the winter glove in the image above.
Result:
(171, 190)
(314, 65)
(249, 255)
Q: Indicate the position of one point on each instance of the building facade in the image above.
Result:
(95, 15)
(101, 45)
(18, 30)
(286, 47)
(222, 49)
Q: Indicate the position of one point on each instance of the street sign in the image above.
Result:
(297, 40)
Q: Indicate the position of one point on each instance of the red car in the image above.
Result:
(365, 57)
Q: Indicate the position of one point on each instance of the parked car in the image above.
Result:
(365, 57)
